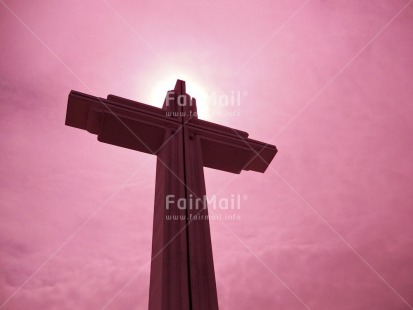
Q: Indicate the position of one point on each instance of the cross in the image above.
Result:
(182, 268)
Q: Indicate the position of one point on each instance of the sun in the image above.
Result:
(160, 88)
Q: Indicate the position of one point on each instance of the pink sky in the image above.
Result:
(328, 226)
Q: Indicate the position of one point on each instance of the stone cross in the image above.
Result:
(182, 269)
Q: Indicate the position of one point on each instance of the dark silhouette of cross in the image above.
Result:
(182, 268)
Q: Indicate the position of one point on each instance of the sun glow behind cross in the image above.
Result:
(160, 88)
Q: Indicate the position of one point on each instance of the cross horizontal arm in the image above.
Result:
(143, 128)
(138, 127)
(229, 151)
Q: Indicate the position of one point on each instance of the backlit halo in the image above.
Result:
(193, 89)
